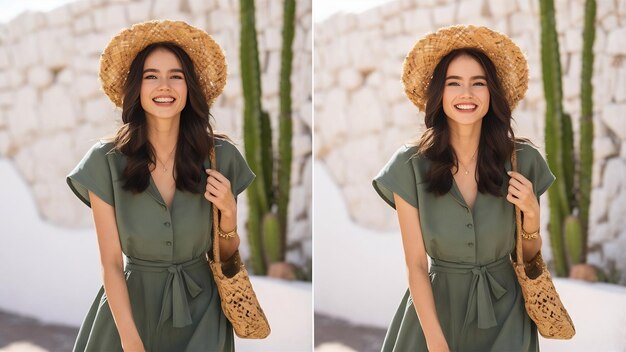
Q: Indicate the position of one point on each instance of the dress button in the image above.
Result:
(167, 224)
(469, 226)
(470, 244)
(169, 243)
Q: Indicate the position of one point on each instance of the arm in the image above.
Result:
(113, 273)
(218, 192)
(521, 194)
(417, 268)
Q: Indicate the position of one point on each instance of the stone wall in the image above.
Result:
(363, 116)
(52, 109)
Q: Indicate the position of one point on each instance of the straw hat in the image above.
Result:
(206, 54)
(419, 64)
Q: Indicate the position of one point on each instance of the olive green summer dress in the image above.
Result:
(174, 300)
(477, 297)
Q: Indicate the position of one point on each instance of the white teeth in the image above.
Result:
(163, 100)
(465, 106)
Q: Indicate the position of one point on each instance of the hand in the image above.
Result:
(219, 193)
(521, 194)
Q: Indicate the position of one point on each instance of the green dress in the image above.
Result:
(175, 303)
(477, 297)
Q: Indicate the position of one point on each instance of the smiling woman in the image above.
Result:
(152, 194)
(454, 195)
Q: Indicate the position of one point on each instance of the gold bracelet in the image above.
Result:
(227, 235)
(529, 236)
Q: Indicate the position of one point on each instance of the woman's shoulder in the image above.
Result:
(102, 148)
(224, 146)
(527, 151)
(408, 153)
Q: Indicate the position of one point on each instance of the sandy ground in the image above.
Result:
(336, 335)
(21, 334)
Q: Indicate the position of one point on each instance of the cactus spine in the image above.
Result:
(268, 201)
(567, 231)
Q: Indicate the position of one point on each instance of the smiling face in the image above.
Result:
(163, 87)
(465, 93)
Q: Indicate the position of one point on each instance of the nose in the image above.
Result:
(467, 91)
(164, 84)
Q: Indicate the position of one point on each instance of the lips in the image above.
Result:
(164, 100)
(466, 107)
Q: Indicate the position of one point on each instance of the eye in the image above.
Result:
(178, 77)
(452, 83)
(150, 77)
(480, 83)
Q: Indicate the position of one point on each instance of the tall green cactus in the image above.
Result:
(252, 114)
(285, 125)
(586, 120)
(268, 197)
(567, 230)
(551, 72)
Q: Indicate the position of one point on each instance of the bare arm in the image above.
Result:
(521, 194)
(417, 269)
(218, 191)
(113, 273)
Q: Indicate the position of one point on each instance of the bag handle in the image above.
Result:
(215, 221)
(519, 258)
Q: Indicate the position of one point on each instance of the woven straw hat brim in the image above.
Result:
(420, 63)
(207, 56)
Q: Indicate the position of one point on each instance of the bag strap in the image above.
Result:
(215, 221)
(519, 258)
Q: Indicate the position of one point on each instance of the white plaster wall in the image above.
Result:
(363, 116)
(52, 109)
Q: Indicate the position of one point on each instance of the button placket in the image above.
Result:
(471, 231)
(168, 230)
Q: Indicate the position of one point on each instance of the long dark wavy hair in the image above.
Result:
(195, 137)
(496, 135)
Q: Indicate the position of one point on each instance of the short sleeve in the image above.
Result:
(536, 169)
(398, 176)
(93, 173)
(232, 164)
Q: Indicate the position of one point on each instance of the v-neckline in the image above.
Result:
(157, 194)
(458, 196)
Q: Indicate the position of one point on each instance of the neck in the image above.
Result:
(163, 134)
(464, 140)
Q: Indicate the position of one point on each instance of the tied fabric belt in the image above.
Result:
(479, 304)
(176, 287)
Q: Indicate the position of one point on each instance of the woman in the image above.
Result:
(151, 193)
(454, 195)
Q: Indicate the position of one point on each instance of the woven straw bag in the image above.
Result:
(540, 297)
(239, 301)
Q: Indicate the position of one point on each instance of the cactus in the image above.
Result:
(285, 125)
(586, 121)
(272, 239)
(251, 86)
(551, 72)
(566, 196)
(574, 240)
(268, 197)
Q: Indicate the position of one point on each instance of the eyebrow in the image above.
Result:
(471, 78)
(157, 71)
